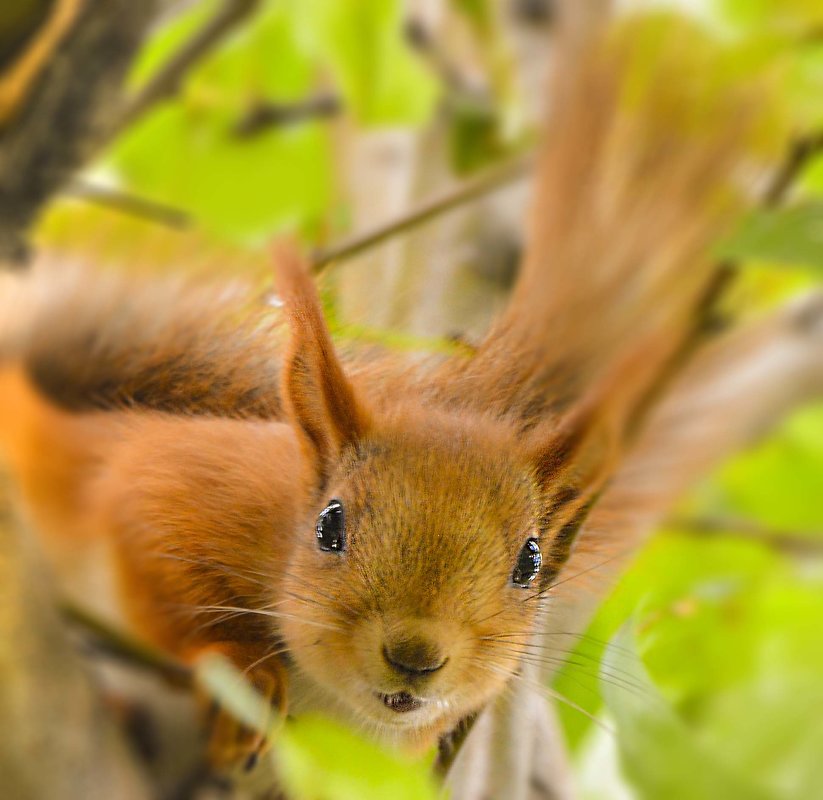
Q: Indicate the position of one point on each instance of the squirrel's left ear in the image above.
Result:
(316, 393)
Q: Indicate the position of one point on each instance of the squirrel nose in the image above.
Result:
(414, 657)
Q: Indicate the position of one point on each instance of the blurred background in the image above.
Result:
(392, 138)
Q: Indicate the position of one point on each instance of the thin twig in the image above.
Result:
(166, 83)
(802, 151)
(793, 542)
(265, 115)
(439, 59)
(495, 178)
(128, 203)
(108, 639)
(17, 78)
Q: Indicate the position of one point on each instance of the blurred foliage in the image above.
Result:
(187, 153)
(724, 702)
(320, 760)
(661, 755)
(791, 236)
(788, 17)
(315, 758)
(728, 630)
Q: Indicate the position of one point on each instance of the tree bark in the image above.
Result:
(67, 114)
(56, 738)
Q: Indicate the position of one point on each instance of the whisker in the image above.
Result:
(595, 669)
(273, 614)
(276, 652)
(218, 565)
(580, 574)
(553, 693)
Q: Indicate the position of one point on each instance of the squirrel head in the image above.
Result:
(407, 596)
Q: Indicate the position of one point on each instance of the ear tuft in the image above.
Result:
(316, 393)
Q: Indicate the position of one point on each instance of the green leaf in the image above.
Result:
(185, 153)
(790, 16)
(475, 137)
(478, 12)
(661, 757)
(791, 236)
(382, 81)
(317, 759)
(320, 760)
(779, 481)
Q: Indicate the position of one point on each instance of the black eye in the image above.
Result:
(330, 528)
(528, 564)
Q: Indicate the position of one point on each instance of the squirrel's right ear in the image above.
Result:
(317, 395)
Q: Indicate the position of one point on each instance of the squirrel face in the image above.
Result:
(404, 594)
(406, 583)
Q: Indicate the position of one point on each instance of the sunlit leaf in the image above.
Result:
(317, 759)
(780, 481)
(320, 760)
(186, 153)
(382, 81)
(660, 755)
(790, 16)
(792, 236)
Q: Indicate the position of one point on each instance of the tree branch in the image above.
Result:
(57, 738)
(490, 181)
(802, 151)
(791, 542)
(107, 639)
(166, 83)
(263, 116)
(128, 203)
(16, 81)
(66, 114)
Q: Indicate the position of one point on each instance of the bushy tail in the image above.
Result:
(95, 339)
(634, 185)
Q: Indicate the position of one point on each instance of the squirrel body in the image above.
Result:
(207, 516)
(388, 527)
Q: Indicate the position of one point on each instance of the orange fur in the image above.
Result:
(205, 458)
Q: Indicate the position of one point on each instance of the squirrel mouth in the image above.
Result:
(400, 702)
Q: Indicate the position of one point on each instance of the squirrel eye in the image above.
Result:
(528, 564)
(330, 528)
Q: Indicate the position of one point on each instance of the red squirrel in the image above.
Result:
(383, 525)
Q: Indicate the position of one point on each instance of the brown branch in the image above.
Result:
(802, 151)
(438, 58)
(492, 180)
(263, 116)
(16, 80)
(166, 83)
(128, 203)
(66, 114)
(109, 640)
(791, 542)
